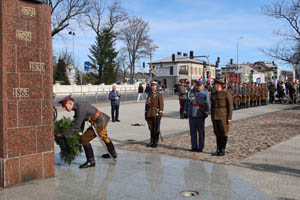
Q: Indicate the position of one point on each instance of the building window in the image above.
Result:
(171, 70)
(183, 69)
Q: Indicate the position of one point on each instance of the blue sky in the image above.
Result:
(208, 27)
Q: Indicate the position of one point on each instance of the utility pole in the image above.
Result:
(237, 56)
(73, 35)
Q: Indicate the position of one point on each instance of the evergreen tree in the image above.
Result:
(60, 72)
(77, 78)
(103, 56)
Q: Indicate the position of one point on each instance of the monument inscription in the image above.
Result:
(28, 11)
(21, 92)
(24, 35)
(25, 38)
(37, 67)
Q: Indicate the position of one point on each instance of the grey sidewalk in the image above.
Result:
(275, 170)
(137, 176)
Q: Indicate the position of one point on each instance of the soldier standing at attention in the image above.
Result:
(221, 115)
(236, 96)
(86, 112)
(248, 90)
(252, 95)
(257, 93)
(153, 113)
(272, 91)
(197, 109)
(182, 93)
(244, 96)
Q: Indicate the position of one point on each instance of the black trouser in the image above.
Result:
(154, 127)
(197, 132)
(182, 103)
(114, 112)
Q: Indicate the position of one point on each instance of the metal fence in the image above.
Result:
(102, 95)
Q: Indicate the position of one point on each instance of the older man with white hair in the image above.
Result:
(114, 97)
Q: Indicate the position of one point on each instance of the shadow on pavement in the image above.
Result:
(174, 115)
(271, 168)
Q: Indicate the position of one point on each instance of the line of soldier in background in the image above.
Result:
(248, 95)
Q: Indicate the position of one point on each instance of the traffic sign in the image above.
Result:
(87, 65)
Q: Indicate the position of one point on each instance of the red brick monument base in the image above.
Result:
(26, 116)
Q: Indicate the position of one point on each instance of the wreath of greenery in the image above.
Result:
(70, 147)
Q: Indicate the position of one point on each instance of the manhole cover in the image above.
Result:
(144, 163)
(130, 140)
(189, 193)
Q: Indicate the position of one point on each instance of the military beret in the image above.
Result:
(64, 101)
(216, 81)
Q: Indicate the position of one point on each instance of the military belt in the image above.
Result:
(199, 105)
(93, 119)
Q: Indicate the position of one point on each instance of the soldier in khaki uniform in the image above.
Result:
(236, 97)
(252, 95)
(264, 94)
(153, 113)
(257, 94)
(182, 94)
(248, 91)
(221, 115)
(244, 96)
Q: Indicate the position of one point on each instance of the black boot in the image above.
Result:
(224, 142)
(155, 141)
(89, 157)
(111, 149)
(218, 140)
(151, 140)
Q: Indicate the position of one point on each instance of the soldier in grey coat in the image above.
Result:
(196, 109)
(86, 112)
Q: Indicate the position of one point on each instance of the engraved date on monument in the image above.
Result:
(28, 11)
(21, 92)
(24, 35)
(37, 67)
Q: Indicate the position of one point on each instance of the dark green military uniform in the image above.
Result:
(221, 112)
(153, 112)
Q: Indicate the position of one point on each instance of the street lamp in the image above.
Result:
(237, 55)
(73, 34)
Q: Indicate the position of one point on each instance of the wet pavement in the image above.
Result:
(136, 175)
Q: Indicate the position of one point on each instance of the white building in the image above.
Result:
(168, 72)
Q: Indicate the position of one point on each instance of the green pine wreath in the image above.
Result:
(71, 147)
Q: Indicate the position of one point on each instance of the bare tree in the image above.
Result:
(103, 19)
(66, 56)
(65, 11)
(122, 65)
(138, 44)
(288, 48)
(97, 20)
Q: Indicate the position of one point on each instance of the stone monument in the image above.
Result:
(26, 94)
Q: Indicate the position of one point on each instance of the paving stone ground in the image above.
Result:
(246, 137)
